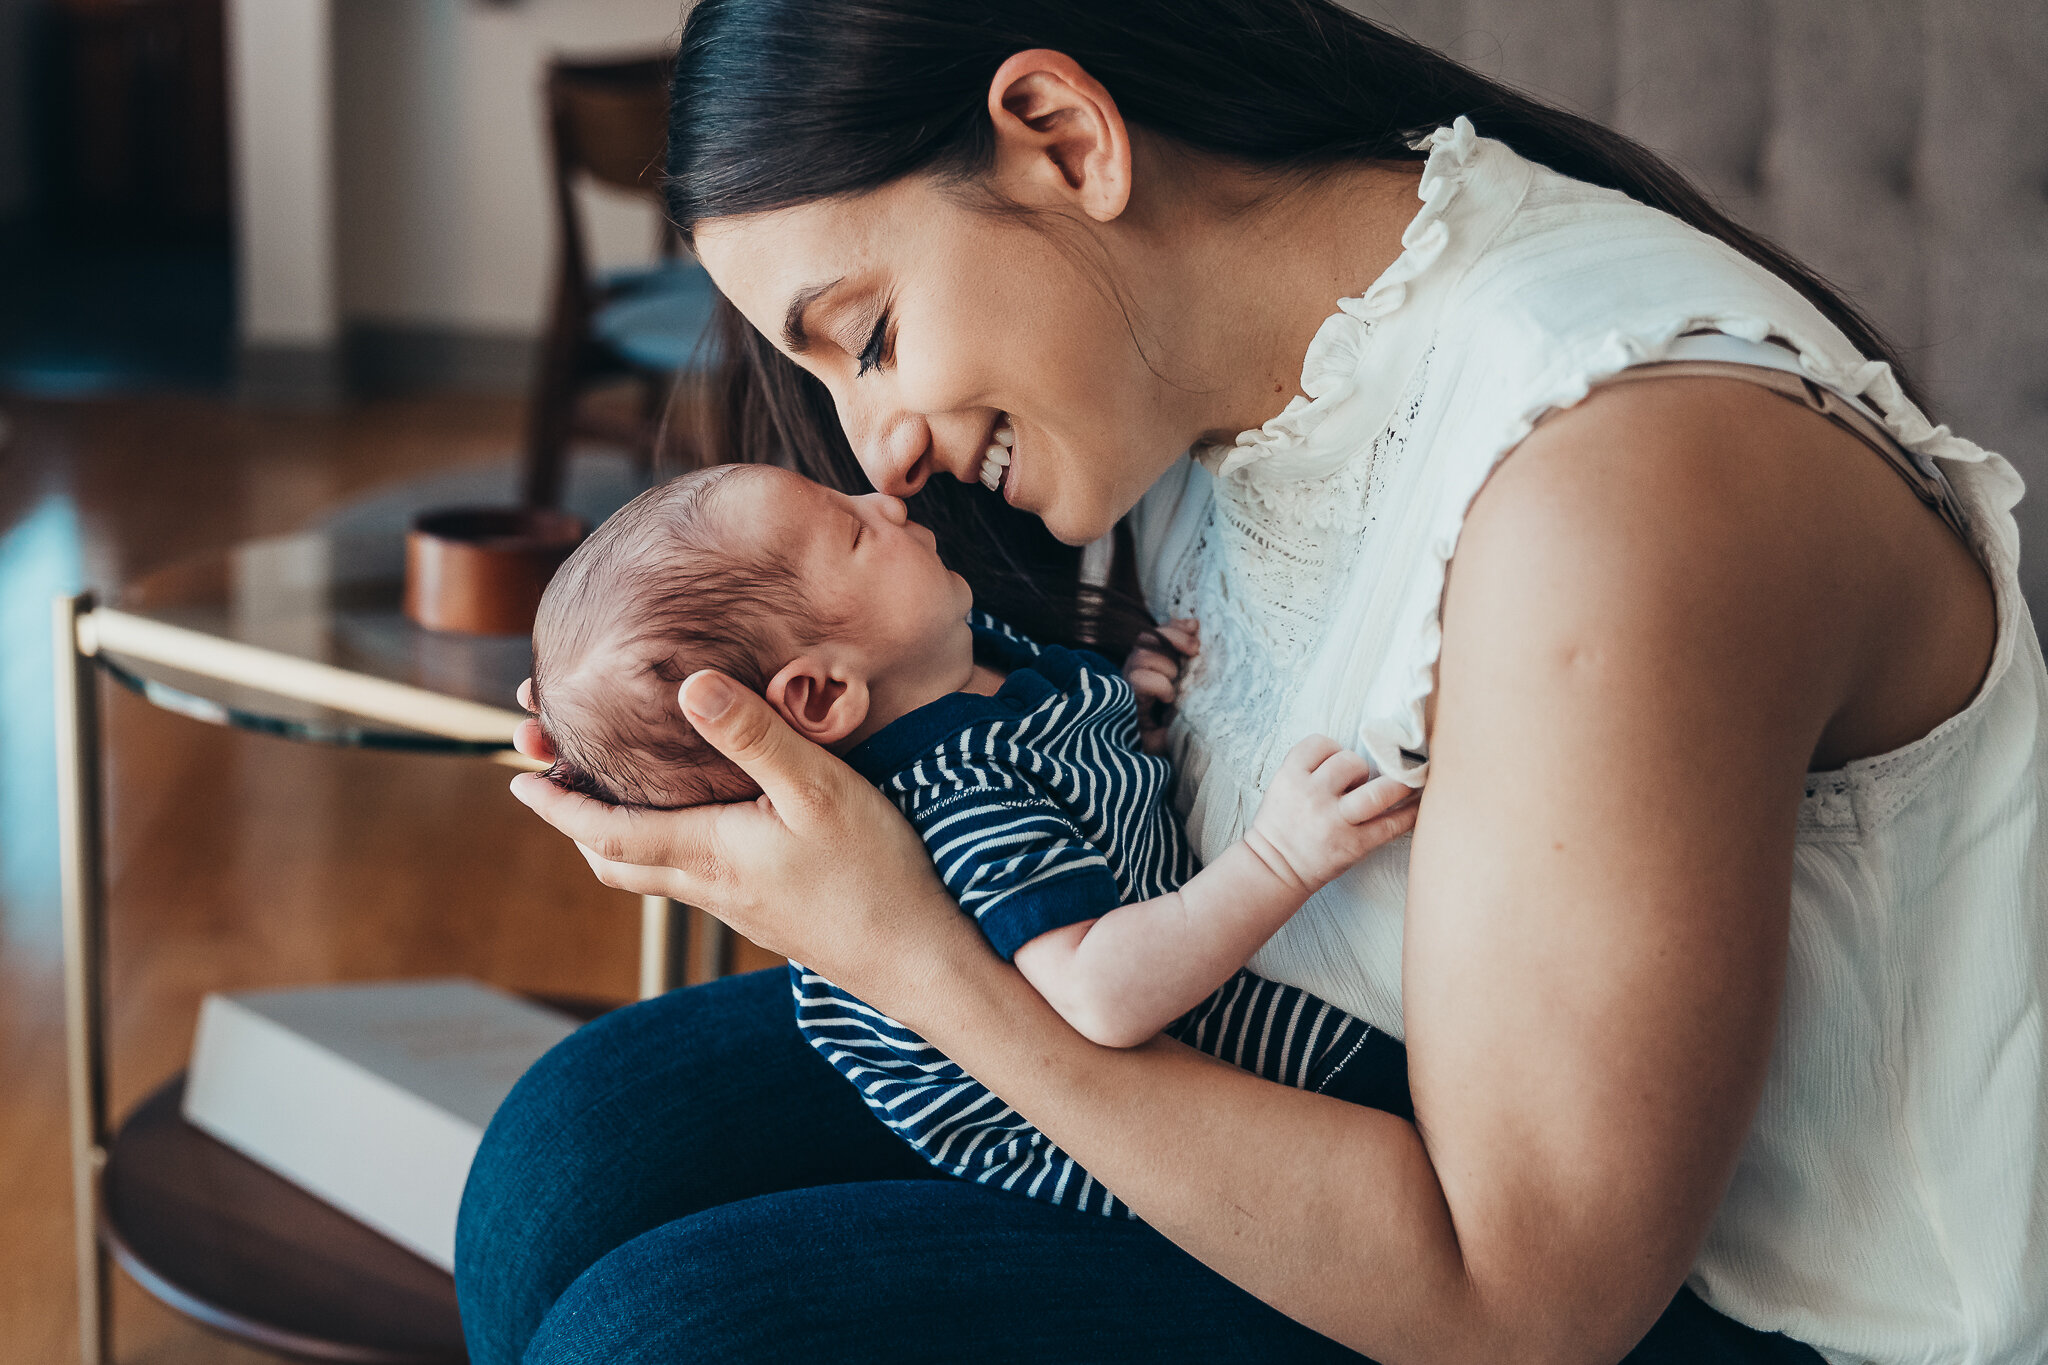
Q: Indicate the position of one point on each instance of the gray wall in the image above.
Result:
(1900, 147)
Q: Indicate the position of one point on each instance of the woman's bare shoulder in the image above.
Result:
(1717, 511)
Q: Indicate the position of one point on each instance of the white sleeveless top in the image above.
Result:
(1891, 1203)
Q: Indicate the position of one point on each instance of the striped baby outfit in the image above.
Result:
(1040, 811)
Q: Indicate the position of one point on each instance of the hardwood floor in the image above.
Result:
(234, 860)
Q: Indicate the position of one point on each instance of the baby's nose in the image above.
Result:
(891, 507)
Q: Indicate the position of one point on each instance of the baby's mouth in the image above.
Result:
(995, 461)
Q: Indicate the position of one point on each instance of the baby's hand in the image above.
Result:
(1153, 671)
(1325, 811)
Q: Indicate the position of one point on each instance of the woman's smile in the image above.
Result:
(997, 456)
(1063, 377)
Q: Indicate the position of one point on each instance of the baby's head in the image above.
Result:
(835, 608)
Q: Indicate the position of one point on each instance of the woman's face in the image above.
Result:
(936, 324)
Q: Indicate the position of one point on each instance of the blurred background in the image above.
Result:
(274, 266)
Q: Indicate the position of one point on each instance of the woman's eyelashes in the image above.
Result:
(870, 357)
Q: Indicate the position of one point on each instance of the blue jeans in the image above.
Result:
(685, 1180)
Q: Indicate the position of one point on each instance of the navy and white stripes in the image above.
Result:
(1040, 811)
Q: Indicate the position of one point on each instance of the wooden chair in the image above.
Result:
(607, 123)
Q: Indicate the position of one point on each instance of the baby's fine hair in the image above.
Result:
(664, 588)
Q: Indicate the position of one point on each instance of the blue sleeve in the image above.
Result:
(1016, 862)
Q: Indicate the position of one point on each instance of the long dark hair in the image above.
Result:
(783, 102)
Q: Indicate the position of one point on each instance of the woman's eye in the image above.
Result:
(871, 354)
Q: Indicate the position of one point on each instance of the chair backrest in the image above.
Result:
(609, 120)
(1899, 148)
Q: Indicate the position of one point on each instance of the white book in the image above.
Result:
(371, 1096)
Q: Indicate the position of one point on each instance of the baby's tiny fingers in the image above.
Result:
(1375, 798)
(1151, 685)
(1184, 638)
(1307, 755)
(1344, 770)
(1153, 659)
(1391, 826)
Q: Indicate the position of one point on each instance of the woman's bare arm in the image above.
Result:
(1654, 616)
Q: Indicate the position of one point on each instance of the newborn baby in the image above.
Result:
(1018, 763)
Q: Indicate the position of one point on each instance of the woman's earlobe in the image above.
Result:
(1049, 113)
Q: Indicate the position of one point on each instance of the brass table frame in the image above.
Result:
(669, 955)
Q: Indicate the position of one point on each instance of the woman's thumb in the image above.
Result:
(745, 728)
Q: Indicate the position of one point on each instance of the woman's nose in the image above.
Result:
(895, 451)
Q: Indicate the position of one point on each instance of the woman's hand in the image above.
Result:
(527, 737)
(1153, 671)
(820, 867)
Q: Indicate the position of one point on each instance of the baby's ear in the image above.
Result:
(818, 706)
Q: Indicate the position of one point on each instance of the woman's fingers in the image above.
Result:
(641, 881)
(673, 839)
(529, 739)
(801, 780)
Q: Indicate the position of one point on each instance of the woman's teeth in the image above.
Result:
(996, 458)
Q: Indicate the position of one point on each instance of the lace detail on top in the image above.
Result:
(1332, 371)
(1262, 579)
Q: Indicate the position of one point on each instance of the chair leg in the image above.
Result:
(654, 390)
(552, 406)
(80, 835)
(547, 445)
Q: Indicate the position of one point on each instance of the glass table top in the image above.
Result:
(326, 597)
(302, 635)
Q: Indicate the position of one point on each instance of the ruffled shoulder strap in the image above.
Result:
(1337, 367)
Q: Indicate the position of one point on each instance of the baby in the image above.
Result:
(1019, 764)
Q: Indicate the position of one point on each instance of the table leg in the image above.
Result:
(80, 841)
(711, 948)
(680, 946)
(661, 945)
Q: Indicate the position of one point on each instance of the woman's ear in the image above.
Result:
(818, 706)
(1059, 136)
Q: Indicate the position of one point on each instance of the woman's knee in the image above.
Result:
(552, 1187)
(749, 1281)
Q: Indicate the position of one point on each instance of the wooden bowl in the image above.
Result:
(481, 570)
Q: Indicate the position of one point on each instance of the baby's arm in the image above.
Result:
(1122, 978)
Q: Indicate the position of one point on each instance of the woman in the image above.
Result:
(1717, 952)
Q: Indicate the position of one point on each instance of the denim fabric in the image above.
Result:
(686, 1180)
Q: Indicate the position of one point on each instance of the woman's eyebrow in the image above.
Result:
(793, 334)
